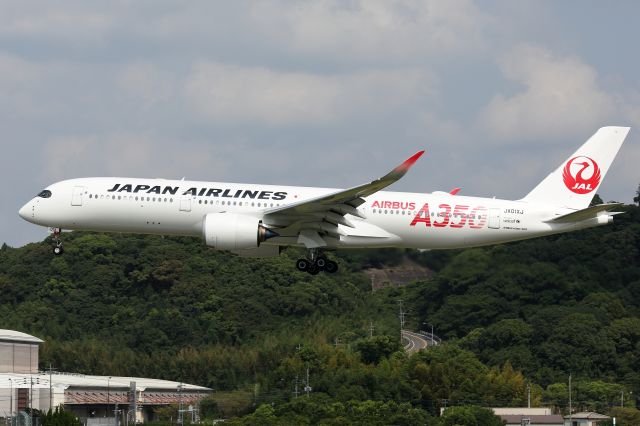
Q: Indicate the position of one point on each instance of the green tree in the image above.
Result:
(469, 416)
(624, 416)
(596, 200)
(373, 349)
(60, 417)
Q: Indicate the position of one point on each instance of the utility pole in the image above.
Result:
(402, 314)
(295, 388)
(31, 403)
(50, 370)
(307, 388)
(11, 400)
(133, 402)
(528, 395)
(570, 408)
(371, 327)
(180, 411)
(108, 395)
(622, 398)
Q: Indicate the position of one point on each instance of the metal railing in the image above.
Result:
(432, 338)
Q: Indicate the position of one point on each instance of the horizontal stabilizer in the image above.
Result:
(584, 214)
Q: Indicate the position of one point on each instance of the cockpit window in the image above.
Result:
(45, 194)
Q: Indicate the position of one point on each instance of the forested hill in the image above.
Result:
(551, 306)
(173, 308)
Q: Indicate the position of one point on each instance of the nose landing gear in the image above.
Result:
(57, 244)
(315, 263)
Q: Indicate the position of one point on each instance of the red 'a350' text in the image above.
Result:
(453, 217)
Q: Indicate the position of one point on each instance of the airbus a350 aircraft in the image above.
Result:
(257, 220)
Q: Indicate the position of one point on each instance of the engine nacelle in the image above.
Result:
(230, 231)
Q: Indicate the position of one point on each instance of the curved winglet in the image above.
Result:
(403, 168)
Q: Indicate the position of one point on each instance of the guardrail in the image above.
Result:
(433, 339)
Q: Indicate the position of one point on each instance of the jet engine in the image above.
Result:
(230, 231)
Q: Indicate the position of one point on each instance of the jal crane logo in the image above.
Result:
(581, 175)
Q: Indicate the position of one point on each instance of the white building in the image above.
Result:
(90, 397)
(520, 416)
(585, 419)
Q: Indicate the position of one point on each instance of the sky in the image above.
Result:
(314, 93)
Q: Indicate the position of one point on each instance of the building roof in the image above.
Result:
(588, 415)
(516, 419)
(70, 381)
(17, 336)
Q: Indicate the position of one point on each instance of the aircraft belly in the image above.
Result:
(148, 219)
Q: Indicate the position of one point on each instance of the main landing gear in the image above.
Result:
(57, 244)
(315, 263)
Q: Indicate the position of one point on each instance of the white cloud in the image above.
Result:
(378, 30)
(147, 83)
(560, 96)
(77, 24)
(226, 93)
(124, 154)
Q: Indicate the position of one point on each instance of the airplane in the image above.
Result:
(259, 220)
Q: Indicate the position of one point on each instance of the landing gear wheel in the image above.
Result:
(321, 263)
(302, 265)
(57, 246)
(313, 270)
(331, 267)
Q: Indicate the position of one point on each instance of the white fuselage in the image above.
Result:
(412, 220)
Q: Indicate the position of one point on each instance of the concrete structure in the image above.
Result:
(94, 399)
(519, 416)
(585, 419)
(18, 352)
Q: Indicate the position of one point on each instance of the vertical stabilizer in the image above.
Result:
(574, 183)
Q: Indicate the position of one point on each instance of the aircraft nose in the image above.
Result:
(25, 211)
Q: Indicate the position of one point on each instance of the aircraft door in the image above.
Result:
(494, 218)
(185, 204)
(76, 196)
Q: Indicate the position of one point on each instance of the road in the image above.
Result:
(413, 342)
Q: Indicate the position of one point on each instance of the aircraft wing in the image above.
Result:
(322, 215)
